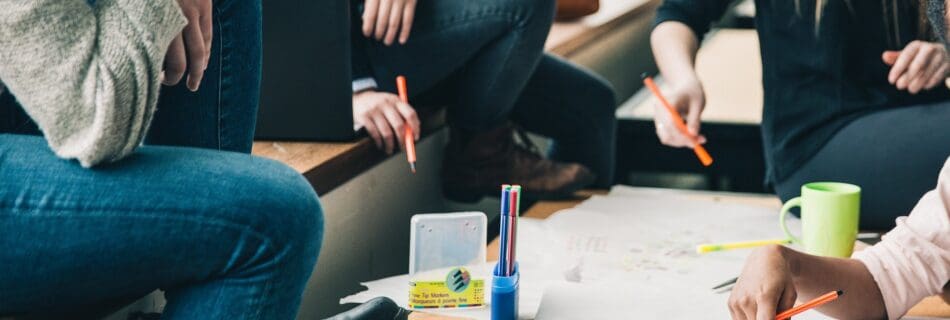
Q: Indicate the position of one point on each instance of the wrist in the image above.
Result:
(683, 78)
(792, 262)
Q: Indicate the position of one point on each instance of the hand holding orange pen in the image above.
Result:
(825, 298)
(408, 135)
(701, 152)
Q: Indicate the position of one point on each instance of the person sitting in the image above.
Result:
(853, 93)
(881, 282)
(90, 218)
(485, 61)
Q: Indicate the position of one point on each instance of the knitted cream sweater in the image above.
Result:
(87, 75)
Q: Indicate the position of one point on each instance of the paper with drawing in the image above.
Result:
(631, 252)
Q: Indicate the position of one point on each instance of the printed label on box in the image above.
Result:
(458, 290)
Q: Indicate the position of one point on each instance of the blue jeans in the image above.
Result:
(226, 102)
(227, 235)
(485, 60)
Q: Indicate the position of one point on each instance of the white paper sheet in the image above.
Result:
(634, 248)
(622, 301)
(644, 240)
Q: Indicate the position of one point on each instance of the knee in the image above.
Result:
(292, 207)
(278, 203)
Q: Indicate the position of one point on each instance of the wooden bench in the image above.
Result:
(729, 66)
(327, 165)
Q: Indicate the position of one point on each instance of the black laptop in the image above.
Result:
(306, 92)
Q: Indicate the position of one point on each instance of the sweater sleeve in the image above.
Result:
(698, 15)
(87, 75)
(913, 260)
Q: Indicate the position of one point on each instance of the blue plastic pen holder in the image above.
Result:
(504, 295)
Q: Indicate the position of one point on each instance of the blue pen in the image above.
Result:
(504, 289)
(503, 233)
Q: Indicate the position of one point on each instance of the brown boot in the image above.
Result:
(476, 165)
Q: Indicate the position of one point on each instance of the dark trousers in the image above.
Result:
(484, 59)
(894, 155)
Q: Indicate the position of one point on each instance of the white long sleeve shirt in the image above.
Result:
(913, 260)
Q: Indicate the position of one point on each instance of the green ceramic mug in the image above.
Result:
(829, 212)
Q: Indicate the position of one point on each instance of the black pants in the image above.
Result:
(894, 155)
(485, 60)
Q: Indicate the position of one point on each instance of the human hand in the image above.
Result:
(384, 19)
(384, 116)
(192, 48)
(688, 99)
(764, 287)
(921, 65)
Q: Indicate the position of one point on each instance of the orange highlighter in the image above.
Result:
(409, 136)
(701, 153)
(828, 297)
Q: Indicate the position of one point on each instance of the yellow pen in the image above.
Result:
(706, 248)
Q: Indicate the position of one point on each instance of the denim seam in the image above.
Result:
(220, 72)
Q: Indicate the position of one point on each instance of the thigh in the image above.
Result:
(163, 218)
(894, 155)
(221, 115)
(446, 35)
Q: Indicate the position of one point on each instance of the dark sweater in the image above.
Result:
(360, 61)
(816, 83)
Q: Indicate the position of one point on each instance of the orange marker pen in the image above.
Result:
(828, 297)
(701, 152)
(409, 136)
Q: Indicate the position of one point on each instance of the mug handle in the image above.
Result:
(795, 202)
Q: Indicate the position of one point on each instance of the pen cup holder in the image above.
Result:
(504, 295)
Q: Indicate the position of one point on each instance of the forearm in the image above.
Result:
(674, 49)
(88, 76)
(814, 276)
